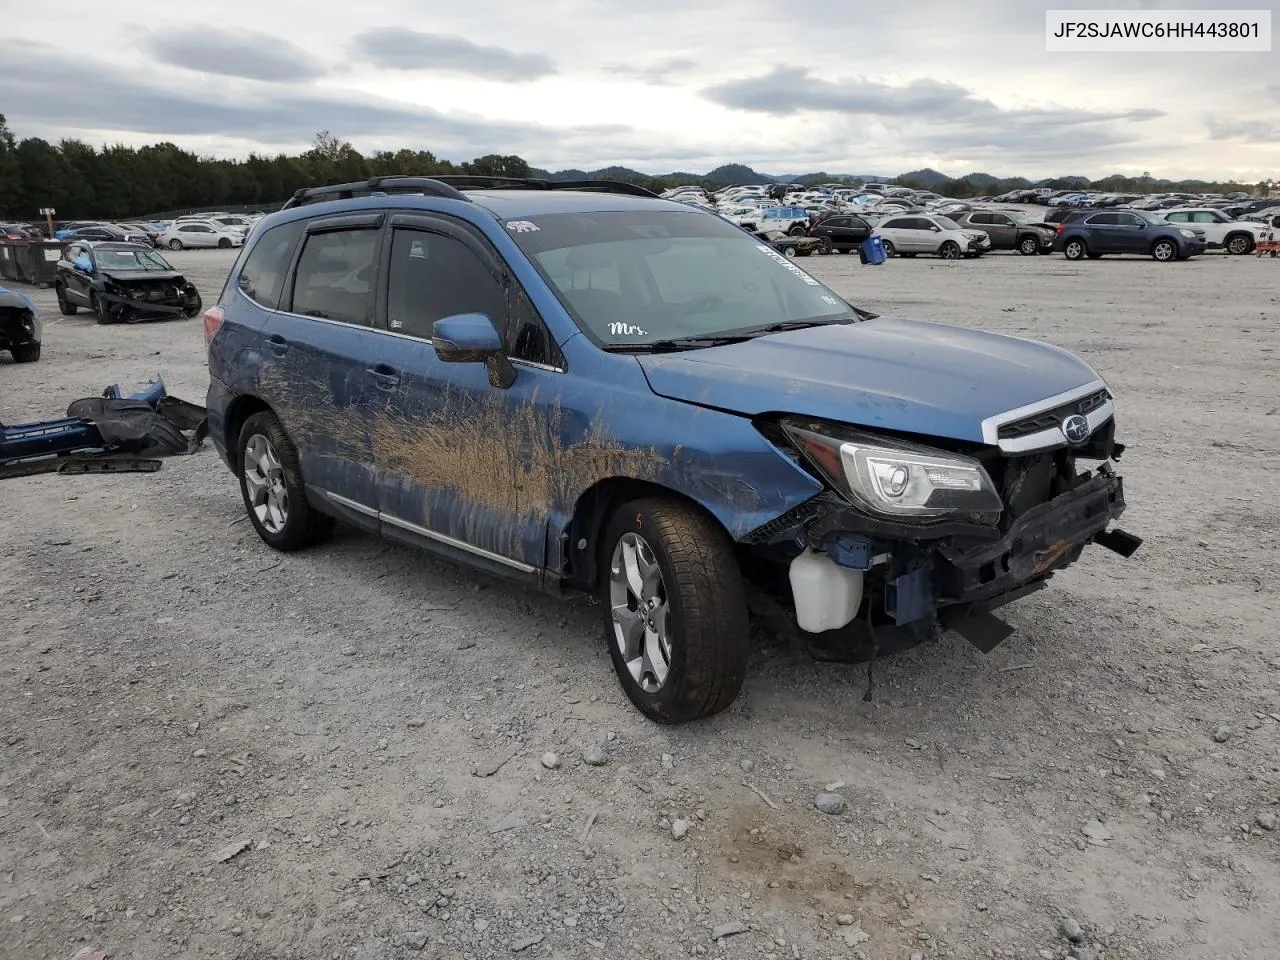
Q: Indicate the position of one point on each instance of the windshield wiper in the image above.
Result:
(681, 343)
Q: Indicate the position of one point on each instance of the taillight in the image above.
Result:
(212, 321)
(1059, 228)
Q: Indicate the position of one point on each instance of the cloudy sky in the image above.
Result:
(786, 86)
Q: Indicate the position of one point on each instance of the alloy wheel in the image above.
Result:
(641, 612)
(264, 481)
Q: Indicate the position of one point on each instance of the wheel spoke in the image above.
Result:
(628, 630)
(635, 577)
(655, 656)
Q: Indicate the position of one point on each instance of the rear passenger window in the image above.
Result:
(262, 276)
(335, 275)
(434, 276)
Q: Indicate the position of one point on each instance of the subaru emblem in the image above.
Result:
(1075, 428)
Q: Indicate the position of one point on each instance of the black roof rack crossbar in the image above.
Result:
(345, 191)
(466, 181)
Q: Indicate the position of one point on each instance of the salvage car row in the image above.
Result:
(912, 223)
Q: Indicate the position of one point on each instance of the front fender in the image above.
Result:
(717, 459)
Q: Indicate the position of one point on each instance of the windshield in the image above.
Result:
(945, 222)
(638, 277)
(131, 260)
(1017, 216)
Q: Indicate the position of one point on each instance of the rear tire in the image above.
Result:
(1239, 244)
(271, 486)
(684, 561)
(26, 353)
(824, 245)
(65, 306)
(1074, 250)
(796, 231)
(888, 247)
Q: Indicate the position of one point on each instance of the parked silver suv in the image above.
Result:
(909, 234)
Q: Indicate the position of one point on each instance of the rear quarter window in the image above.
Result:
(262, 276)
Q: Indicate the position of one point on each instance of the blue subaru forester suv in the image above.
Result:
(595, 391)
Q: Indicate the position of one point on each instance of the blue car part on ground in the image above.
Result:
(591, 390)
(114, 433)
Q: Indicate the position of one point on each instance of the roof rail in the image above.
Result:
(398, 184)
(466, 181)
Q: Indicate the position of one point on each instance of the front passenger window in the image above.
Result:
(433, 276)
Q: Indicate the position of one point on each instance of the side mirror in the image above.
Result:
(82, 263)
(472, 338)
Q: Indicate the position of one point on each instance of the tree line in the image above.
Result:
(117, 182)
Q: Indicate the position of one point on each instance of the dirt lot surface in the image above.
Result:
(171, 689)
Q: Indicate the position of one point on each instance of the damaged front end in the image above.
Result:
(132, 298)
(911, 539)
(19, 326)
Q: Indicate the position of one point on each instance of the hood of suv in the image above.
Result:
(894, 374)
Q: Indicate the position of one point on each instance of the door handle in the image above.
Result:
(278, 345)
(386, 378)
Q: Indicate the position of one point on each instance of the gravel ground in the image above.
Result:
(208, 749)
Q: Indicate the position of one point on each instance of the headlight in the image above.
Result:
(896, 479)
(1187, 233)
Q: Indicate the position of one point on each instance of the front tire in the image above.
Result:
(271, 486)
(224, 243)
(789, 251)
(101, 310)
(26, 353)
(949, 250)
(888, 247)
(675, 609)
(1164, 251)
(1028, 246)
(175, 244)
(1074, 250)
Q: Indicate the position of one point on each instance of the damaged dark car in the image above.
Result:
(19, 326)
(122, 283)
(594, 391)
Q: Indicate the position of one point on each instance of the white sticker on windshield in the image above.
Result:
(626, 330)
(831, 300)
(522, 226)
(788, 264)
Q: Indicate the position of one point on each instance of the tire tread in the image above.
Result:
(713, 605)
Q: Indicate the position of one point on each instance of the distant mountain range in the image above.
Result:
(737, 173)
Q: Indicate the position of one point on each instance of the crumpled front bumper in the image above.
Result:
(1046, 538)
